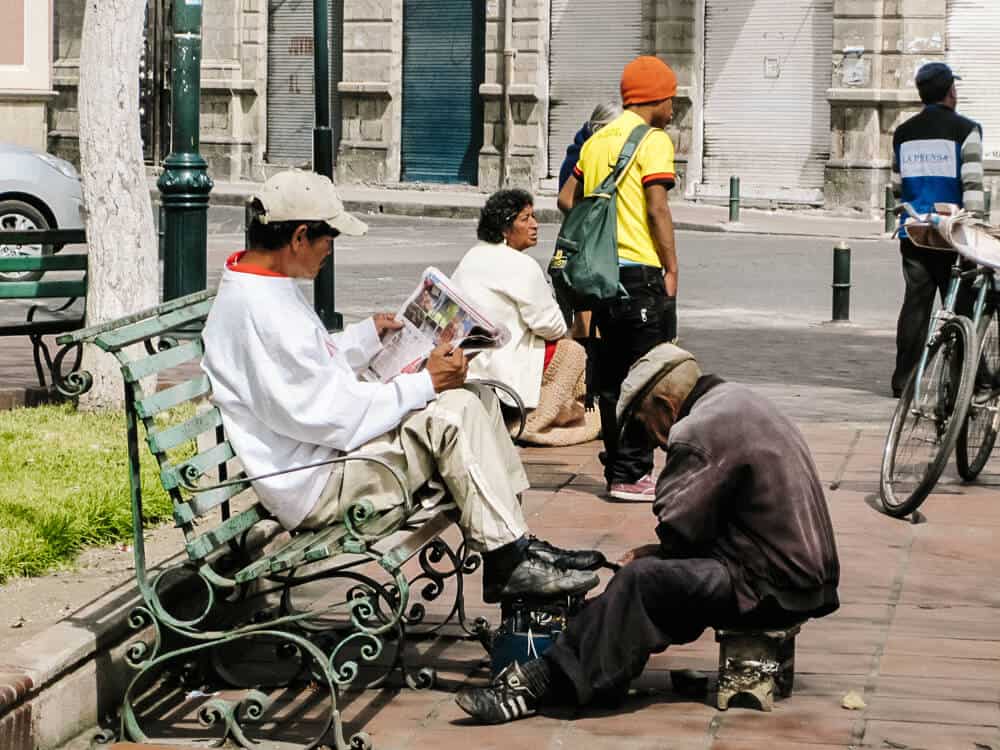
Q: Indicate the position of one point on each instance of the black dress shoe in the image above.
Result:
(536, 579)
(506, 699)
(568, 559)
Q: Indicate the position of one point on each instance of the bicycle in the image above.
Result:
(951, 399)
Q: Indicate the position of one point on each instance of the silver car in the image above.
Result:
(37, 191)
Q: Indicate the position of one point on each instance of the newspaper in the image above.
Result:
(434, 314)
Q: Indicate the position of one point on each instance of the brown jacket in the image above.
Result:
(740, 486)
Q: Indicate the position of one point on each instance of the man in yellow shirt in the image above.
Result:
(647, 257)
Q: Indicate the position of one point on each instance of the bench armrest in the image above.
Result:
(496, 385)
(397, 477)
(35, 308)
(92, 332)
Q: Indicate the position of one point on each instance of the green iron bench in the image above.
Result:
(31, 286)
(226, 579)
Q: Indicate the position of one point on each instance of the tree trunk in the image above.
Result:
(124, 273)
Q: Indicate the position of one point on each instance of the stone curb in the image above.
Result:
(432, 210)
(460, 209)
(70, 676)
(439, 211)
(11, 398)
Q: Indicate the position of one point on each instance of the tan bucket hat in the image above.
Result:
(296, 195)
(648, 370)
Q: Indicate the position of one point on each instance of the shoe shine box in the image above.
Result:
(525, 633)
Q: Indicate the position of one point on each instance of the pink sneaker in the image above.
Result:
(643, 488)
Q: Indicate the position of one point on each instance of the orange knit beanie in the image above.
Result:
(647, 79)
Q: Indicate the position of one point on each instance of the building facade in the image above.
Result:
(798, 98)
(234, 84)
(25, 71)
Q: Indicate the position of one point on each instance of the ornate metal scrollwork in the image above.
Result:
(232, 717)
(440, 567)
(358, 514)
(139, 653)
(104, 736)
(75, 382)
(162, 344)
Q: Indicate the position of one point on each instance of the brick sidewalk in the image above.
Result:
(917, 634)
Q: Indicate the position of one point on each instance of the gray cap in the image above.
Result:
(935, 74)
(645, 373)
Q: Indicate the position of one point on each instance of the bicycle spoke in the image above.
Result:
(924, 431)
(979, 432)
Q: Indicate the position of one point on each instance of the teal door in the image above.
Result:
(443, 60)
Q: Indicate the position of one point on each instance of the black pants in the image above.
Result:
(629, 327)
(926, 273)
(646, 607)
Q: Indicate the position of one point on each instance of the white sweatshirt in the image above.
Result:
(288, 390)
(510, 288)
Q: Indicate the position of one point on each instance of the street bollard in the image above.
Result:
(842, 282)
(987, 203)
(734, 200)
(890, 213)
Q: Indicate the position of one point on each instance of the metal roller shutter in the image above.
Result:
(443, 63)
(291, 102)
(767, 118)
(973, 28)
(591, 43)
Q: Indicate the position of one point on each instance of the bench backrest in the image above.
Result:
(46, 287)
(183, 430)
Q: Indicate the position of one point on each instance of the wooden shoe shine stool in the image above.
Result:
(756, 662)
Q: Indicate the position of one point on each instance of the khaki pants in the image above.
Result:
(456, 446)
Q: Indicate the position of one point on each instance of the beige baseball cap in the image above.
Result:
(297, 195)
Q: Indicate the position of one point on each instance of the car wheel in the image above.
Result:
(21, 216)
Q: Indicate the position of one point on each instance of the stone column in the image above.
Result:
(878, 46)
(252, 100)
(371, 91)
(675, 27)
(528, 94)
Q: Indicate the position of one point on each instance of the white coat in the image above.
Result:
(510, 288)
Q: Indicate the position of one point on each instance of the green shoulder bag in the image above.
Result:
(585, 263)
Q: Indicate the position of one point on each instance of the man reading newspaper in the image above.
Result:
(290, 396)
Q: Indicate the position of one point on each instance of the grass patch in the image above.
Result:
(65, 486)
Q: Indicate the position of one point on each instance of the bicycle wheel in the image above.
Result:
(979, 433)
(924, 430)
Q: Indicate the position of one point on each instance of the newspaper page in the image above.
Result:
(434, 314)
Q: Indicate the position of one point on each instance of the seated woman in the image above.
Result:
(546, 370)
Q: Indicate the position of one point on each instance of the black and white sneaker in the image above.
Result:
(508, 698)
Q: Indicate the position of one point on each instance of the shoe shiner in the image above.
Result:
(744, 535)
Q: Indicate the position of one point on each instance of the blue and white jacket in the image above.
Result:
(937, 157)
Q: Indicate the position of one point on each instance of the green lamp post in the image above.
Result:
(323, 286)
(184, 184)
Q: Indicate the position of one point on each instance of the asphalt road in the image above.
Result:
(753, 308)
